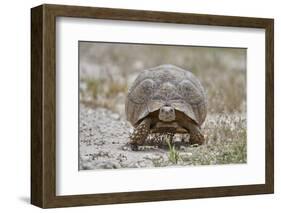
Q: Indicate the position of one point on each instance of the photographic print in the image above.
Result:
(148, 105)
(157, 101)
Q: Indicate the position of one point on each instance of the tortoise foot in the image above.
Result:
(197, 138)
(140, 133)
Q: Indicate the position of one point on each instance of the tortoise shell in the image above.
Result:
(166, 85)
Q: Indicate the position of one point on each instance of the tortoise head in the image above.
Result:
(167, 113)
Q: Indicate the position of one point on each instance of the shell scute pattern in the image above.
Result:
(164, 84)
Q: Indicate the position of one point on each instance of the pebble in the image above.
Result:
(125, 148)
(85, 158)
(106, 165)
(153, 157)
(115, 116)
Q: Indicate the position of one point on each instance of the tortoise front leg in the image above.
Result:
(196, 136)
(140, 133)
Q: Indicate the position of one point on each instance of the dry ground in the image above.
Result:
(104, 136)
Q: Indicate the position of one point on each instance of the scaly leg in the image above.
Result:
(140, 133)
(196, 136)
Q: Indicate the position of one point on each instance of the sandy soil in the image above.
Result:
(104, 138)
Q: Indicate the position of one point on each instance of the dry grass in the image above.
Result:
(226, 142)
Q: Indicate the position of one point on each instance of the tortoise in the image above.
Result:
(166, 98)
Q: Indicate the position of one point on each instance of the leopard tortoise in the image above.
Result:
(166, 98)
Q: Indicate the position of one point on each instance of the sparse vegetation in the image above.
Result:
(226, 142)
(173, 154)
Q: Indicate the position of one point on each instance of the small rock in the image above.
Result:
(153, 157)
(106, 165)
(115, 116)
(115, 142)
(85, 158)
(125, 148)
